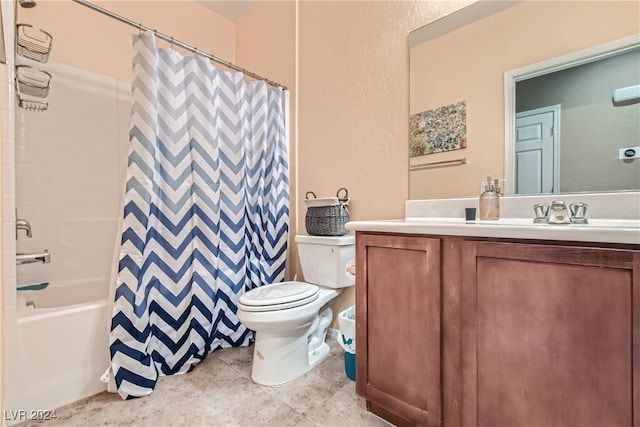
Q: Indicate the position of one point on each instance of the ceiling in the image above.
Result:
(232, 10)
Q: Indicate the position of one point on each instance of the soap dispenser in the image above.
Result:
(490, 200)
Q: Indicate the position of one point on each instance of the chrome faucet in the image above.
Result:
(579, 213)
(558, 213)
(542, 213)
(23, 224)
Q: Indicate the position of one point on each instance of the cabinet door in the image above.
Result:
(550, 336)
(398, 326)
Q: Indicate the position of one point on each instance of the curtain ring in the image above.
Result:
(140, 28)
(171, 45)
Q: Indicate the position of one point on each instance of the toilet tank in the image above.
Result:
(324, 259)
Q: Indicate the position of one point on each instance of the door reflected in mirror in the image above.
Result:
(569, 130)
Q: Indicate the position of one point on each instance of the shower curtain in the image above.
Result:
(206, 213)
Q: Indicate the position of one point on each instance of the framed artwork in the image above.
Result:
(441, 129)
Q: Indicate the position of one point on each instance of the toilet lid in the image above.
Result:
(278, 296)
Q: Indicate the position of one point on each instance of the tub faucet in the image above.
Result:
(23, 224)
(558, 213)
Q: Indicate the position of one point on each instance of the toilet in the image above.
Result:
(289, 327)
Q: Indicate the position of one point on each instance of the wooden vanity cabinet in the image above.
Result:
(398, 327)
(550, 335)
(473, 332)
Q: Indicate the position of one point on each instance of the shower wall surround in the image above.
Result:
(8, 161)
(70, 168)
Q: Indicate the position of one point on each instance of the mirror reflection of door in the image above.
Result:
(537, 141)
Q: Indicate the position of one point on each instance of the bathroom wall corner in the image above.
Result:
(7, 159)
(7, 183)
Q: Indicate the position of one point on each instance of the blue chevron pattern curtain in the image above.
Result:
(206, 213)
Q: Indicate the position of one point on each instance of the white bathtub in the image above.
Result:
(60, 297)
(63, 346)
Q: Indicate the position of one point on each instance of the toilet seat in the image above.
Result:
(278, 296)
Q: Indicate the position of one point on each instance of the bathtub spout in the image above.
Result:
(43, 257)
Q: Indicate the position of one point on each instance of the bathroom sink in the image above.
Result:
(597, 230)
(593, 223)
(612, 218)
(526, 222)
(611, 223)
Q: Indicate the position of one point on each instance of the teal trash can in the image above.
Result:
(347, 340)
(350, 365)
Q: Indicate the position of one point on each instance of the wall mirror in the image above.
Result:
(493, 56)
(569, 121)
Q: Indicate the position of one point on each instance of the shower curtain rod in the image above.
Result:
(178, 43)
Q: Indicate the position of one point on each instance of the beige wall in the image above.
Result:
(266, 45)
(353, 89)
(470, 66)
(353, 92)
(91, 41)
(350, 101)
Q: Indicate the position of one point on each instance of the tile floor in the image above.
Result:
(219, 392)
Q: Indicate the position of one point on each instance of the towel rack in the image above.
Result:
(462, 161)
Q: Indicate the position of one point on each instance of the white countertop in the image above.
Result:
(603, 231)
(613, 218)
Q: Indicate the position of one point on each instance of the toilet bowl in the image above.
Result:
(289, 326)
